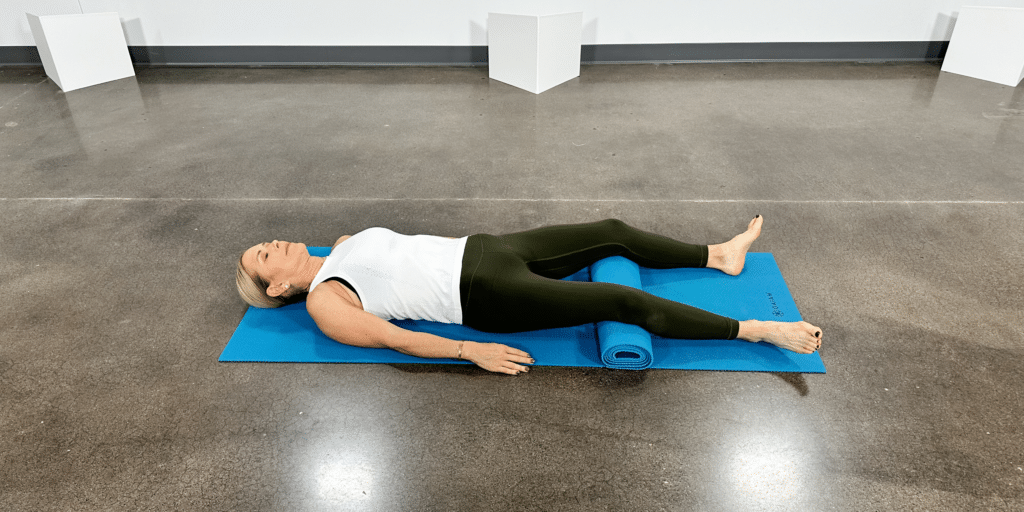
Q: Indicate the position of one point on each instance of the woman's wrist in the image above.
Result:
(466, 350)
(469, 349)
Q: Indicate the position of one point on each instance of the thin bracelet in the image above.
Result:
(460, 350)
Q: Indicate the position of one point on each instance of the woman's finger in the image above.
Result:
(516, 351)
(515, 367)
(520, 359)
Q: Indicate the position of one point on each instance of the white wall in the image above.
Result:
(463, 22)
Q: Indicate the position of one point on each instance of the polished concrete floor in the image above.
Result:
(894, 205)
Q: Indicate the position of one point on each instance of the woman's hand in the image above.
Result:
(495, 357)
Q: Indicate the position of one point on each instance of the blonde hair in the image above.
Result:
(253, 290)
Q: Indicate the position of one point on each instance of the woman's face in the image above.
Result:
(277, 262)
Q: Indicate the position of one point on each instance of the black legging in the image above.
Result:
(512, 283)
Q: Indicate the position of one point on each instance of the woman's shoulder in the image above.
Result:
(331, 294)
(340, 240)
(368, 233)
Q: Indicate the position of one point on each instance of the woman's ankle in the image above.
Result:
(751, 330)
(716, 257)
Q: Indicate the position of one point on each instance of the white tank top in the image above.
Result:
(400, 276)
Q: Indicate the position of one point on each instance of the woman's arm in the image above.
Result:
(343, 322)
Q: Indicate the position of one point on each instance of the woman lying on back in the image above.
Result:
(505, 283)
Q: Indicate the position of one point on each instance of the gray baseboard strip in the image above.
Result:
(477, 55)
(310, 55)
(757, 52)
(19, 56)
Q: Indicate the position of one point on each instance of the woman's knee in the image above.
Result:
(635, 307)
(614, 225)
(613, 230)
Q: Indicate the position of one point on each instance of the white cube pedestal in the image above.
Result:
(534, 53)
(79, 50)
(988, 44)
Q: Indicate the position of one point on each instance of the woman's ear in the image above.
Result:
(277, 290)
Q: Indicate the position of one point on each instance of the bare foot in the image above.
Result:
(730, 256)
(800, 337)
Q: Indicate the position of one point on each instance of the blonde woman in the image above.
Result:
(505, 283)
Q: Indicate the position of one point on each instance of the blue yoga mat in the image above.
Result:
(289, 335)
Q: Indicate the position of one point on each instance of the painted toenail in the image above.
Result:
(817, 334)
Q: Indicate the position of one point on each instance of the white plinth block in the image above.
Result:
(534, 53)
(79, 50)
(988, 44)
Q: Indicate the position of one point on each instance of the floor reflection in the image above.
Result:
(767, 468)
(769, 458)
(345, 480)
(99, 110)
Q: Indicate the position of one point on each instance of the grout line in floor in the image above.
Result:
(493, 199)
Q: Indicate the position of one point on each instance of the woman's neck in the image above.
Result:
(307, 273)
